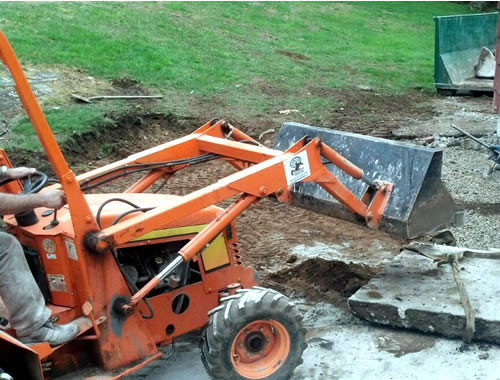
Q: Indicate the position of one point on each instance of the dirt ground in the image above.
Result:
(316, 260)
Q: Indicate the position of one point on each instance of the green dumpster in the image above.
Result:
(459, 40)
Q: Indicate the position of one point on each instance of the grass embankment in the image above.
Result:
(242, 60)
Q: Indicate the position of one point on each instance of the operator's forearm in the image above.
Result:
(14, 203)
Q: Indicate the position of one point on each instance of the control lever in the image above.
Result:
(54, 222)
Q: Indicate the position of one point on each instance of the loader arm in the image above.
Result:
(266, 175)
(271, 172)
(113, 351)
(80, 210)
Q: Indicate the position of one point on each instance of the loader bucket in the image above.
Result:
(419, 202)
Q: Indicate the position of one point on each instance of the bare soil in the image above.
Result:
(293, 55)
(322, 280)
(365, 112)
(267, 232)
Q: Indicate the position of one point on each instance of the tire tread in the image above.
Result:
(237, 311)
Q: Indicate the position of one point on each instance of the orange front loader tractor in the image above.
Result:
(139, 269)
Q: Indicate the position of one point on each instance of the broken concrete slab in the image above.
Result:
(412, 292)
(486, 64)
(475, 115)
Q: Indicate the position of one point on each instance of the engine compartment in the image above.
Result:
(139, 264)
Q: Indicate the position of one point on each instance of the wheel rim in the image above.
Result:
(260, 349)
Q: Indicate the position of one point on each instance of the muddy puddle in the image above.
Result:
(392, 341)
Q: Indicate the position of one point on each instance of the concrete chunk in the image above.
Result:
(486, 64)
(413, 292)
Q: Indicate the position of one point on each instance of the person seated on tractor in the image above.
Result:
(20, 293)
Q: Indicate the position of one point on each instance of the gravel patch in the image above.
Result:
(479, 197)
(462, 172)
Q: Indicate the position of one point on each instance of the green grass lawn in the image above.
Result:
(240, 59)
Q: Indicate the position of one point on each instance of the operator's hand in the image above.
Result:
(21, 172)
(52, 199)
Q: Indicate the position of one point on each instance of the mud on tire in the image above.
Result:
(255, 334)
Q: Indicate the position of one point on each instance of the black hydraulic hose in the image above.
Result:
(171, 353)
(150, 307)
(134, 168)
(87, 185)
(139, 209)
(98, 215)
(161, 186)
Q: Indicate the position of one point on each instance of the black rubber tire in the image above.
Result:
(236, 312)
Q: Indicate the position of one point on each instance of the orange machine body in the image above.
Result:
(219, 265)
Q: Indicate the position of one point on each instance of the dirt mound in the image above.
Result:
(322, 279)
(126, 135)
(128, 86)
(117, 139)
(369, 113)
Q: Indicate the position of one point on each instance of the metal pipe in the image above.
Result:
(340, 161)
(472, 137)
(212, 229)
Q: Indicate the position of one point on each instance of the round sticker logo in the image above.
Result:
(49, 245)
